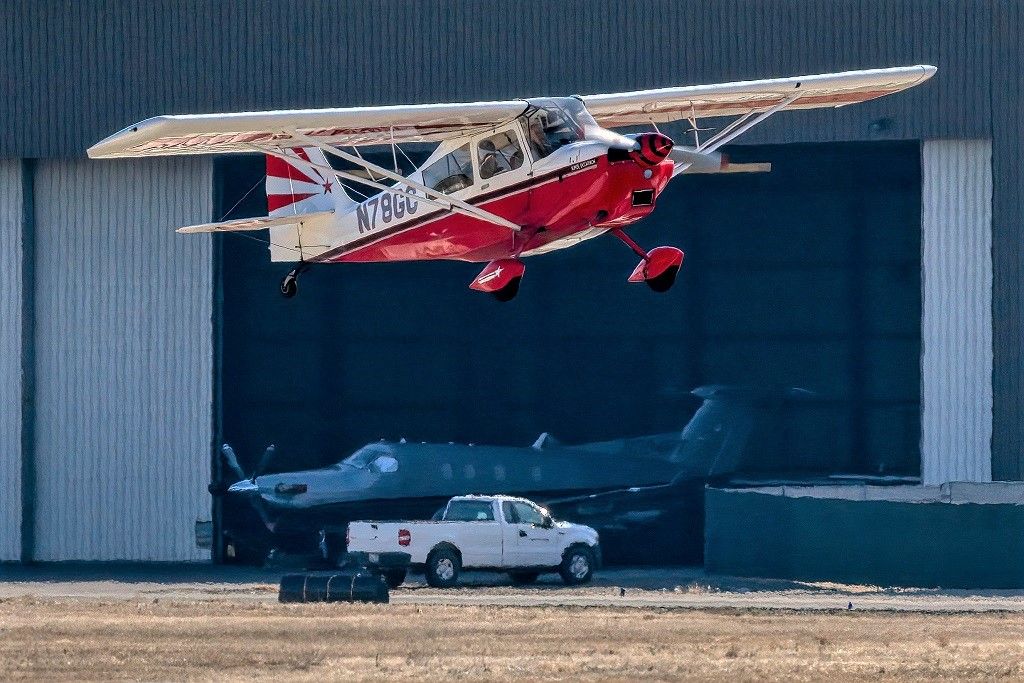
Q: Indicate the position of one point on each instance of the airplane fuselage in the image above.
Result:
(575, 193)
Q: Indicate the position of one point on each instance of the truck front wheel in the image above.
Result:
(577, 565)
(443, 568)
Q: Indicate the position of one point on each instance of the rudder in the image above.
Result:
(295, 186)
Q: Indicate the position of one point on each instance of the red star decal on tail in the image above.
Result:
(327, 187)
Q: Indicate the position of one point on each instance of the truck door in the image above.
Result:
(479, 532)
(527, 543)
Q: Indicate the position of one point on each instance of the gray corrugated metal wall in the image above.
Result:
(85, 70)
(10, 359)
(956, 315)
(123, 358)
(74, 72)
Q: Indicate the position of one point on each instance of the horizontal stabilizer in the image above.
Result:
(261, 223)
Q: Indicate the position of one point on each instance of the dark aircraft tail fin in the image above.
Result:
(545, 440)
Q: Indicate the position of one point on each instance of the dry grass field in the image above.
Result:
(160, 639)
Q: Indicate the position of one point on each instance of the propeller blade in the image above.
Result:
(698, 162)
(268, 455)
(689, 160)
(231, 460)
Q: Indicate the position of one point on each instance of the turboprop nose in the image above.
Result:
(653, 148)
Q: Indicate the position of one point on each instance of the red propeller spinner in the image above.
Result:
(653, 149)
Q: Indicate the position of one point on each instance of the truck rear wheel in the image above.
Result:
(394, 577)
(443, 567)
(577, 565)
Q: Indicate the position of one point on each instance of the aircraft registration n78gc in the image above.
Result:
(506, 180)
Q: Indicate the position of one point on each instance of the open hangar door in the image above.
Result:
(807, 276)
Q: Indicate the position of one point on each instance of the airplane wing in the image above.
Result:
(744, 98)
(240, 132)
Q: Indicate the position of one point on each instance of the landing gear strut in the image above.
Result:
(290, 282)
(658, 267)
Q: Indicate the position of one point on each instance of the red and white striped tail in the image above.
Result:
(295, 187)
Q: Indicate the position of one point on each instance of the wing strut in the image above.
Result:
(456, 205)
(743, 124)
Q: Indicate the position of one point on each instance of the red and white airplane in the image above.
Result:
(506, 180)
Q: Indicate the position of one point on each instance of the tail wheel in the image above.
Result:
(577, 565)
(443, 567)
(663, 282)
(289, 285)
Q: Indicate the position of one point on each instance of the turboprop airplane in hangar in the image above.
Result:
(506, 180)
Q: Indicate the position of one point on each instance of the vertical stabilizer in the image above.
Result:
(295, 187)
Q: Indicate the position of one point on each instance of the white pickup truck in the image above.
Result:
(495, 533)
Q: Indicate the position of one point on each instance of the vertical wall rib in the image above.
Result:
(956, 320)
(10, 359)
(123, 358)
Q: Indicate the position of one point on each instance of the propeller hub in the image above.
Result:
(653, 148)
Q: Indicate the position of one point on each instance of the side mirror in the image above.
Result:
(547, 523)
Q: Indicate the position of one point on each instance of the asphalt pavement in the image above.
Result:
(649, 588)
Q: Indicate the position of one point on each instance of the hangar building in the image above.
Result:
(879, 264)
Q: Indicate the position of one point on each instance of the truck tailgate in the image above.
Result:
(415, 538)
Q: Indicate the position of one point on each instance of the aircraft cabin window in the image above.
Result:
(556, 122)
(469, 511)
(450, 173)
(499, 153)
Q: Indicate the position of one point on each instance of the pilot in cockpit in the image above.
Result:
(538, 139)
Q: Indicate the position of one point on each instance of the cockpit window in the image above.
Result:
(556, 122)
(384, 464)
(373, 458)
(450, 173)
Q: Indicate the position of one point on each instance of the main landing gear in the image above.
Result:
(500, 278)
(290, 282)
(658, 267)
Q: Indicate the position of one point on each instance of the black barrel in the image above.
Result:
(293, 588)
(358, 585)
